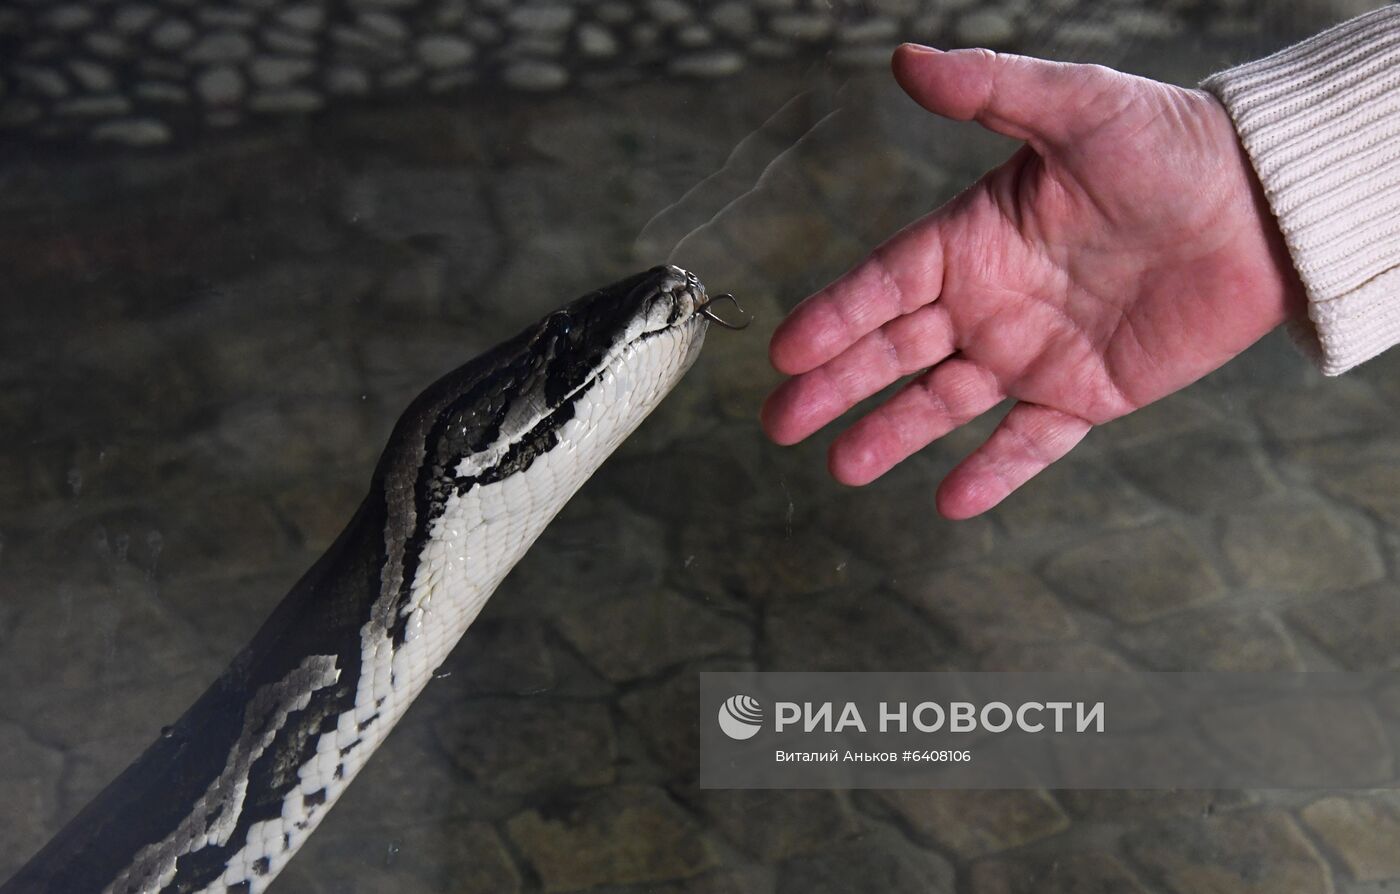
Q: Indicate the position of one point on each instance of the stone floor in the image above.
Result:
(203, 352)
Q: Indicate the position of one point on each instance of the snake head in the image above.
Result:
(628, 310)
(586, 374)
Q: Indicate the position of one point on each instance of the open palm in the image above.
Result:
(1124, 252)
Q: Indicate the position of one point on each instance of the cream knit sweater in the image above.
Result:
(1321, 123)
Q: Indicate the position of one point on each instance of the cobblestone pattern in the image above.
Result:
(202, 355)
(143, 72)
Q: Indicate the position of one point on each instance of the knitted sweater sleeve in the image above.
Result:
(1321, 123)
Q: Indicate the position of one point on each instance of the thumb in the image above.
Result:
(1021, 97)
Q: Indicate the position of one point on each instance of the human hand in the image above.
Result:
(1124, 252)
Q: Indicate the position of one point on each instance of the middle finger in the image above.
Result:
(905, 345)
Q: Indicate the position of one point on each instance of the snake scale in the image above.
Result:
(476, 467)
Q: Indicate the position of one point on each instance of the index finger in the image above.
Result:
(900, 276)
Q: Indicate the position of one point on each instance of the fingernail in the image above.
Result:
(919, 48)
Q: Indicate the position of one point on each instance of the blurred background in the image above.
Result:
(236, 238)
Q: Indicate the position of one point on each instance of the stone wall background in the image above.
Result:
(144, 72)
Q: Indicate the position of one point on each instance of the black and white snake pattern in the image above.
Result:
(476, 467)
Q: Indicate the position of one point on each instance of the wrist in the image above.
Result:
(1288, 296)
(1273, 287)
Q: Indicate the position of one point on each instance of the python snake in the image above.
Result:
(476, 467)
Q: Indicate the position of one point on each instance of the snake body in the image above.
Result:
(475, 469)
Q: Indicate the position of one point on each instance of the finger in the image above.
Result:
(903, 274)
(1018, 96)
(954, 392)
(1029, 439)
(902, 346)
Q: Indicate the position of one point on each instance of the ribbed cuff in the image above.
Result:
(1321, 123)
